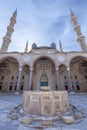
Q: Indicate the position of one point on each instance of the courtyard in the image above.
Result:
(7, 100)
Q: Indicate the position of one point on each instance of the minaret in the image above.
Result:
(60, 46)
(80, 37)
(10, 30)
(26, 48)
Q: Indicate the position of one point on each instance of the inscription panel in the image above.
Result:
(35, 97)
(46, 105)
(34, 107)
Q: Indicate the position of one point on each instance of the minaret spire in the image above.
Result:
(80, 37)
(71, 12)
(10, 30)
(26, 48)
(60, 46)
(15, 13)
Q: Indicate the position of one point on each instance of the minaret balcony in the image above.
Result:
(76, 27)
(79, 38)
(10, 29)
(6, 39)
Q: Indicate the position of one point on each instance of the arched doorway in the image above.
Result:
(8, 73)
(44, 74)
(78, 68)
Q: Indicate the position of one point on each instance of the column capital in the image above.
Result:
(31, 68)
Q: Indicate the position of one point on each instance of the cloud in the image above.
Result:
(43, 22)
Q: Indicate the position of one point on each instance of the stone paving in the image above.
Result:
(7, 100)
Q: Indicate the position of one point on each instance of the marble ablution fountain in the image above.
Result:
(45, 103)
(45, 108)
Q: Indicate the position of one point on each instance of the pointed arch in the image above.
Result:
(44, 64)
(9, 67)
(78, 68)
(44, 57)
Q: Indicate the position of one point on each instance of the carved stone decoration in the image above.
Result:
(45, 103)
(44, 71)
(34, 105)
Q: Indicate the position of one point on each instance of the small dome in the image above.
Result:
(34, 46)
(53, 45)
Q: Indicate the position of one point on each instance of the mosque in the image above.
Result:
(43, 66)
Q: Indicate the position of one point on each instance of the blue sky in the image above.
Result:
(43, 22)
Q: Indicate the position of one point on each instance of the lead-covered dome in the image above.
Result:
(53, 45)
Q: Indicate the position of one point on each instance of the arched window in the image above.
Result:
(43, 80)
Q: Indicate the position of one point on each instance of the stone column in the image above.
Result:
(69, 79)
(30, 78)
(58, 79)
(19, 78)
